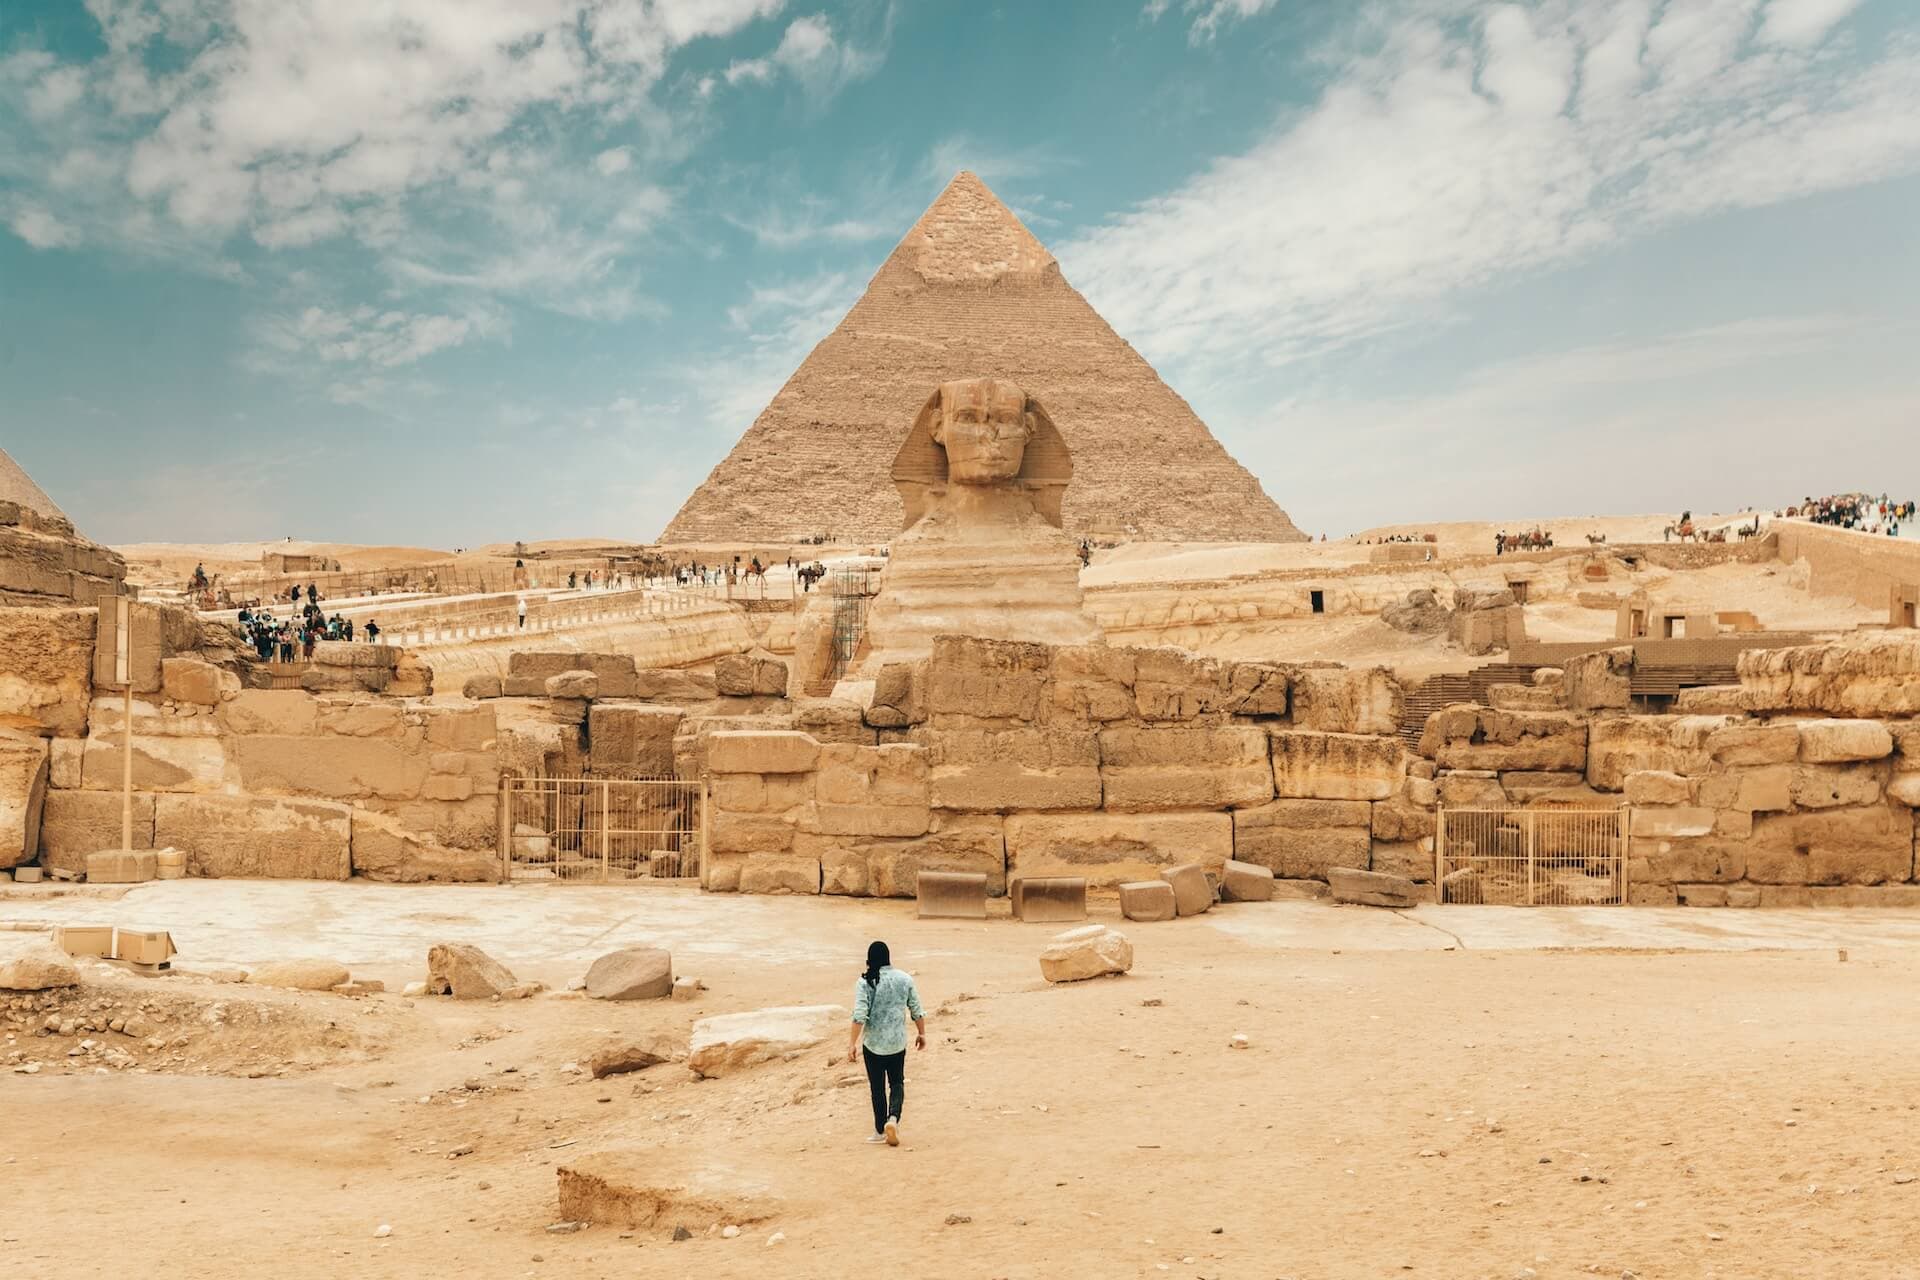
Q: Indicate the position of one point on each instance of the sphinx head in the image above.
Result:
(984, 425)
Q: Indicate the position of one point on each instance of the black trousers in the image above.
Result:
(885, 1071)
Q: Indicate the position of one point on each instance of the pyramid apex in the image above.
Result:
(968, 236)
(17, 486)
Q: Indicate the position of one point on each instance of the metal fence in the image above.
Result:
(1554, 857)
(600, 829)
(852, 589)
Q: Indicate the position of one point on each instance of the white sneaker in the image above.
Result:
(878, 1137)
(892, 1137)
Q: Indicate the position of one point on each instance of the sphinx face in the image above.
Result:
(984, 427)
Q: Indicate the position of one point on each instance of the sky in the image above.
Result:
(446, 272)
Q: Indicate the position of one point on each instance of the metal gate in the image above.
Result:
(1532, 857)
(852, 589)
(597, 829)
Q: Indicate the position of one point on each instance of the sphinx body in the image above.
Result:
(981, 477)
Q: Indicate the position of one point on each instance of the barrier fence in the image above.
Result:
(592, 828)
(1532, 857)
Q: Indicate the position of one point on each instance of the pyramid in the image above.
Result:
(17, 487)
(969, 292)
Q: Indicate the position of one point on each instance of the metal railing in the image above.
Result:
(1550, 857)
(599, 828)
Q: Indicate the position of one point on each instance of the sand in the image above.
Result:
(1407, 1105)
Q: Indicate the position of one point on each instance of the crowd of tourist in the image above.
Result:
(292, 638)
(1861, 511)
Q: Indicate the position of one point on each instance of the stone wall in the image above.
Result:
(1845, 562)
(43, 561)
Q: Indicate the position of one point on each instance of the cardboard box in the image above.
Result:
(143, 946)
(85, 939)
(115, 867)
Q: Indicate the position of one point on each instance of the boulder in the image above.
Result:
(1372, 888)
(1192, 892)
(1245, 882)
(466, 972)
(481, 687)
(632, 973)
(727, 1043)
(630, 1055)
(34, 964)
(1148, 900)
(300, 975)
(1089, 952)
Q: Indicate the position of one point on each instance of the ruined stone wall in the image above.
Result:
(1844, 562)
(43, 561)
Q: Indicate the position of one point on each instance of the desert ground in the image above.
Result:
(1444, 1092)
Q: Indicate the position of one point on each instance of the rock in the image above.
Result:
(681, 1233)
(575, 685)
(1463, 887)
(466, 972)
(685, 988)
(746, 675)
(958, 1219)
(564, 1228)
(1836, 741)
(777, 1237)
(1147, 900)
(1245, 882)
(35, 964)
(1372, 888)
(481, 687)
(731, 1041)
(1192, 894)
(729, 1232)
(1238, 1042)
(301, 975)
(632, 973)
(619, 1059)
(1089, 952)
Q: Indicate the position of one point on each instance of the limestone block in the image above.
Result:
(1336, 766)
(1172, 684)
(897, 701)
(1412, 859)
(160, 763)
(283, 712)
(1184, 767)
(115, 866)
(1257, 689)
(1621, 745)
(1049, 899)
(1654, 786)
(1835, 741)
(1523, 787)
(46, 670)
(23, 791)
(1832, 786)
(1593, 681)
(1373, 888)
(1874, 676)
(1399, 818)
(893, 866)
(191, 680)
(481, 686)
(787, 872)
(843, 871)
(1092, 951)
(770, 793)
(891, 775)
(466, 973)
(1245, 882)
(1345, 700)
(1677, 861)
(751, 832)
(629, 1056)
(1470, 737)
(1093, 684)
(720, 872)
(1421, 790)
(631, 973)
(1147, 900)
(1872, 844)
(1749, 744)
(412, 677)
(986, 679)
(1471, 789)
(339, 768)
(1525, 697)
(1463, 887)
(866, 820)
(832, 720)
(732, 1041)
(1110, 848)
(959, 895)
(989, 771)
(743, 751)
(571, 712)
(386, 849)
(614, 670)
(1905, 787)
(29, 962)
(361, 718)
(1300, 839)
(664, 685)
(445, 787)
(299, 975)
(257, 836)
(461, 728)
(63, 762)
(77, 823)
(747, 675)
(636, 736)
(1192, 891)
(1672, 823)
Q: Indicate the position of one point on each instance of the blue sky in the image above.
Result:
(451, 271)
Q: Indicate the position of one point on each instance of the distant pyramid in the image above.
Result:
(17, 486)
(971, 293)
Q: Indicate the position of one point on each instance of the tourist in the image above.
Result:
(883, 999)
(373, 631)
(522, 603)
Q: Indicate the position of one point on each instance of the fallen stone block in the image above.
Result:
(32, 963)
(632, 973)
(631, 1055)
(115, 866)
(466, 973)
(362, 987)
(734, 1040)
(300, 975)
(1245, 882)
(1090, 952)
(956, 895)
(1050, 899)
(1192, 892)
(1464, 887)
(1299, 890)
(1372, 888)
(1147, 900)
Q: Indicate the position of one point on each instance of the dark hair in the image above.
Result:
(877, 956)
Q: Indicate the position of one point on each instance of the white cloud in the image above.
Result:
(41, 229)
(813, 56)
(613, 160)
(56, 93)
(779, 323)
(1209, 15)
(370, 336)
(1447, 155)
(1803, 22)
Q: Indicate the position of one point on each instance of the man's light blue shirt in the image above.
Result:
(883, 1011)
